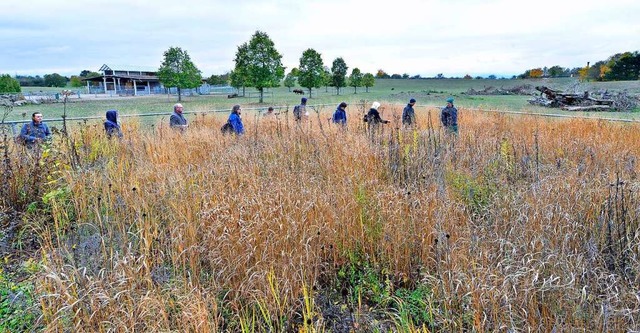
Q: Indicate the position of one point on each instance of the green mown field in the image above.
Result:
(428, 92)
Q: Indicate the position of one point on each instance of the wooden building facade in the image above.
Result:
(125, 80)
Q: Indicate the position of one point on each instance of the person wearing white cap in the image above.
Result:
(373, 116)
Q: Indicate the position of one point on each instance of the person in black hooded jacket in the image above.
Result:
(373, 116)
(111, 126)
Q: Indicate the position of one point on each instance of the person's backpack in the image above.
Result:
(226, 128)
(296, 112)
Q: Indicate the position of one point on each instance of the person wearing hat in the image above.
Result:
(373, 116)
(408, 114)
(340, 115)
(300, 109)
(449, 117)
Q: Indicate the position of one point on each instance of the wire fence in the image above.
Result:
(14, 124)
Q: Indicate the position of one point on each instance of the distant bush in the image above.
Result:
(8, 84)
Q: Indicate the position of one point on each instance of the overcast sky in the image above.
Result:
(425, 37)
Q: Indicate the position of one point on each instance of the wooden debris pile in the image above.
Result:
(602, 101)
(490, 90)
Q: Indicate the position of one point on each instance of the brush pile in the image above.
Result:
(586, 101)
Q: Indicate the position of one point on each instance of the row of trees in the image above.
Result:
(619, 67)
(258, 64)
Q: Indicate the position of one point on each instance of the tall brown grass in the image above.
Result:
(517, 224)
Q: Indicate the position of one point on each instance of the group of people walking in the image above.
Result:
(448, 115)
(37, 131)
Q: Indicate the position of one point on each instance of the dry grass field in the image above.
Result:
(518, 224)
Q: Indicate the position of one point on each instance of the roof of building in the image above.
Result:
(129, 68)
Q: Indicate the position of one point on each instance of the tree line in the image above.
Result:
(258, 64)
(618, 67)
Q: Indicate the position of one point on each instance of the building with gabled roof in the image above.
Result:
(126, 80)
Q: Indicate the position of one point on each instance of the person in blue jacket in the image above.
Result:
(340, 115)
(111, 126)
(35, 131)
(235, 120)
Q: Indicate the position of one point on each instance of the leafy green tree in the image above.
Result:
(339, 74)
(55, 80)
(311, 70)
(289, 81)
(76, 81)
(326, 78)
(177, 70)
(9, 84)
(240, 74)
(368, 81)
(30, 81)
(218, 79)
(264, 67)
(555, 71)
(355, 79)
(623, 66)
(89, 74)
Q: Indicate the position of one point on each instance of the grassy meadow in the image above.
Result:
(520, 223)
(429, 93)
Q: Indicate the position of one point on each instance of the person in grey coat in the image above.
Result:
(408, 114)
(449, 117)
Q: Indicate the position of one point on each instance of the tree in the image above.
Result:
(382, 74)
(339, 74)
(368, 80)
(88, 74)
(289, 81)
(310, 70)
(55, 80)
(623, 66)
(218, 79)
(9, 84)
(355, 79)
(467, 77)
(326, 78)
(178, 71)
(76, 81)
(30, 81)
(265, 68)
(535, 73)
(240, 74)
(555, 71)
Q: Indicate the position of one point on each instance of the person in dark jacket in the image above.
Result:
(408, 114)
(35, 131)
(235, 120)
(449, 117)
(340, 115)
(300, 110)
(373, 116)
(177, 120)
(111, 126)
